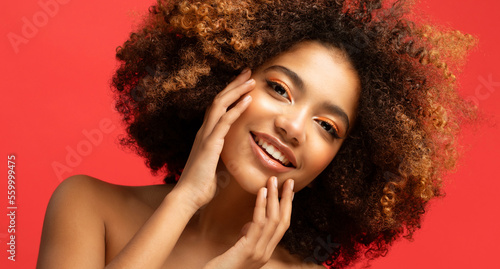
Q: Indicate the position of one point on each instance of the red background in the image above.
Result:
(56, 87)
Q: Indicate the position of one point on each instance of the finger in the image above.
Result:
(241, 78)
(230, 97)
(259, 218)
(272, 200)
(221, 128)
(238, 81)
(259, 213)
(221, 104)
(285, 212)
(212, 143)
(272, 212)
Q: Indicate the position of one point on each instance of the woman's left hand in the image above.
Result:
(271, 219)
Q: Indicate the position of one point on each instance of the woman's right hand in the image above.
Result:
(271, 219)
(198, 181)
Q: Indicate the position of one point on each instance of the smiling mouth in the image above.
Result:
(272, 151)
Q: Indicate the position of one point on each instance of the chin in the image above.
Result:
(249, 178)
(249, 187)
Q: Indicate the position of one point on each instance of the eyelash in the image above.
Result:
(278, 85)
(285, 92)
(333, 130)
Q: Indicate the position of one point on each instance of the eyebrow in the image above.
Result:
(299, 83)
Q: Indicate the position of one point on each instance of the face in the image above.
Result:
(302, 106)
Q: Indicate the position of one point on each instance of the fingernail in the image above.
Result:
(275, 182)
(292, 184)
(265, 192)
(250, 81)
(247, 98)
(245, 70)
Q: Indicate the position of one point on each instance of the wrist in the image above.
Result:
(183, 198)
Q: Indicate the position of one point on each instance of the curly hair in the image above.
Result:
(378, 186)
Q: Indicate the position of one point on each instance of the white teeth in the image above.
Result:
(278, 155)
(270, 149)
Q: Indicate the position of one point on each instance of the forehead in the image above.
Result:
(326, 72)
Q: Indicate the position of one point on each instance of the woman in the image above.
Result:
(347, 104)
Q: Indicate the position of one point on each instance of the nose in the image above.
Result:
(291, 126)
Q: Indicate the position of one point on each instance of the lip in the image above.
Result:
(266, 159)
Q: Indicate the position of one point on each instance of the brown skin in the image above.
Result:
(295, 117)
(81, 241)
(159, 226)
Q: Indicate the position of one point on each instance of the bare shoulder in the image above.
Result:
(74, 232)
(72, 228)
(84, 186)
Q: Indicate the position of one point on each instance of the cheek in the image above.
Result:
(263, 104)
(255, 112)
(236, 142)
(319, 156)
(317, 160)
(257, 116)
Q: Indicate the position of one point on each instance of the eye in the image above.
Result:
(279, 87)
(329, 126)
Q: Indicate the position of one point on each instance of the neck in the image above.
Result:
(221, 220)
